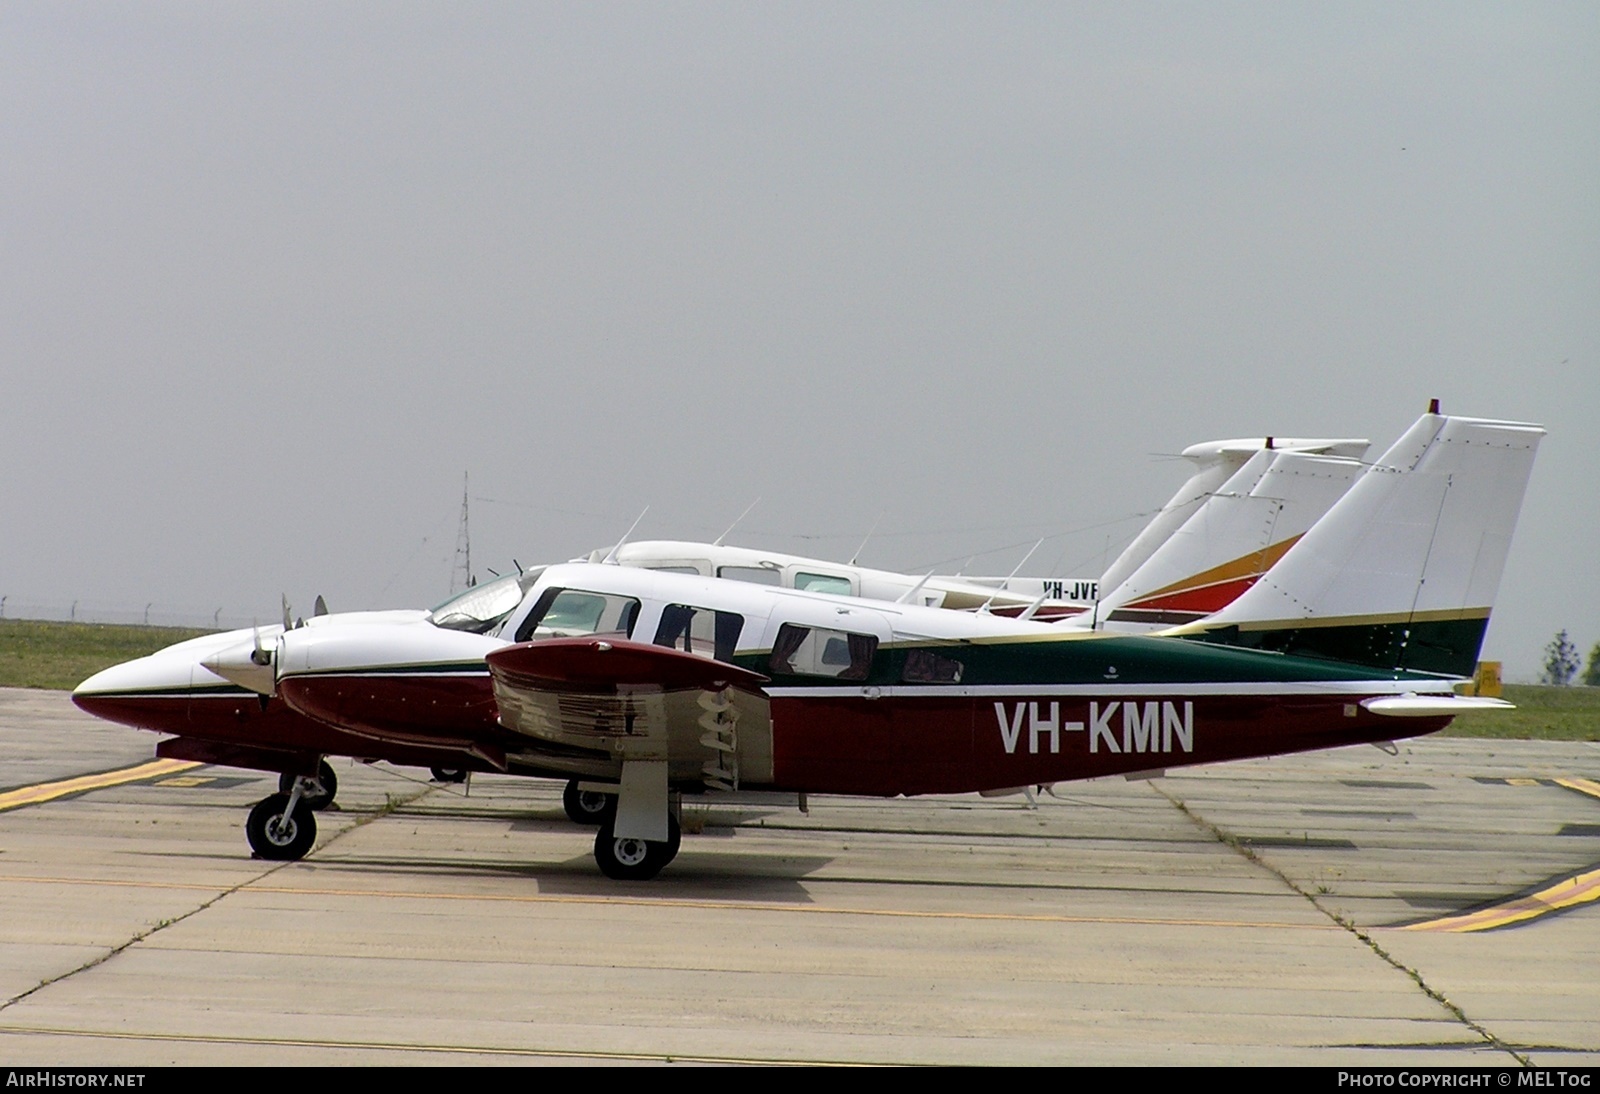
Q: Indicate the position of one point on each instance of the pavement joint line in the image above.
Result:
(250, 887)
(140, 936)
(39, 793)
(474, 1050)
(1231, 841)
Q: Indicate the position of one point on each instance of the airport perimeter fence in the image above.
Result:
(152, 614)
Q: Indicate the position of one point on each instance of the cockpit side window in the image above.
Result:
(819, 651)
(567, 613)
(702, 631)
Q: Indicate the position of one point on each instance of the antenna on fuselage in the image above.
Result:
(1011, 575)
(718, 541)
(611, 555)
(905, 597)
(463, 564)
(1027, 613)
(863, 546)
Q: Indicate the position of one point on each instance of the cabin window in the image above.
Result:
(818, 651)
(702, 631)
(755, 575)
(568, 613)
(927, 667)
(823, 583)
(692, 570)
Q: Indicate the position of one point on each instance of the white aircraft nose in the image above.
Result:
(130, 676)
(249, 664)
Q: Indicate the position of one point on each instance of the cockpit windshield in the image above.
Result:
(481, 608)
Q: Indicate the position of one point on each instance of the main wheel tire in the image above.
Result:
(319, 795)
(274, 836)
(448, 774)
(587, 806)
(634, 859)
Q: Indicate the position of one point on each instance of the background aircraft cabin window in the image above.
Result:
(675, 570)
(702, 631)
(565, 613)
(927, 667)
(823, 583)
(755, 575)
(817, 651)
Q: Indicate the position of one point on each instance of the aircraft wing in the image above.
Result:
(646, 717)
(595, 664)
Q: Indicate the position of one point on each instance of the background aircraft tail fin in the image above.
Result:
(1216, 462)
(1402, 571)
(1238, 533)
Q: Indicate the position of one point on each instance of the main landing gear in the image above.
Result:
(632, 859)
(448, 774)
(587, 806)
(316, 792)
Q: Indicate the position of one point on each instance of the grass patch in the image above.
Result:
(1542, 714)
(39, 654)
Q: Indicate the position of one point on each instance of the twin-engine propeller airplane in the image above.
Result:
(644, 687)
(1219, 521)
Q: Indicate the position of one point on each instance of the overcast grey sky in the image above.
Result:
(276, 274)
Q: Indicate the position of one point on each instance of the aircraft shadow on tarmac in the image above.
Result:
(772, 878)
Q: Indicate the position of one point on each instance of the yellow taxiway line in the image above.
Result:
(1566, 893)
(43, 792)
(1569, 892)
(249, 888)
(573, 1053)
(1582, 786)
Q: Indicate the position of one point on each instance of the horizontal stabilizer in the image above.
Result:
(1432, 706)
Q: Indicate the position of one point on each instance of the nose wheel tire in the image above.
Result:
(273, 835)
(447, 774)
(319, 795)
(587, 806)
(634, 859)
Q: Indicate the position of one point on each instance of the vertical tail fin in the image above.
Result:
(1216, 463)
(1235, 536)
(1402, 571)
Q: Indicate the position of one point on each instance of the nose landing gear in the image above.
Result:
(281, 827)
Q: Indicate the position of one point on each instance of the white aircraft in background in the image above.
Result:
(1245, 504)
